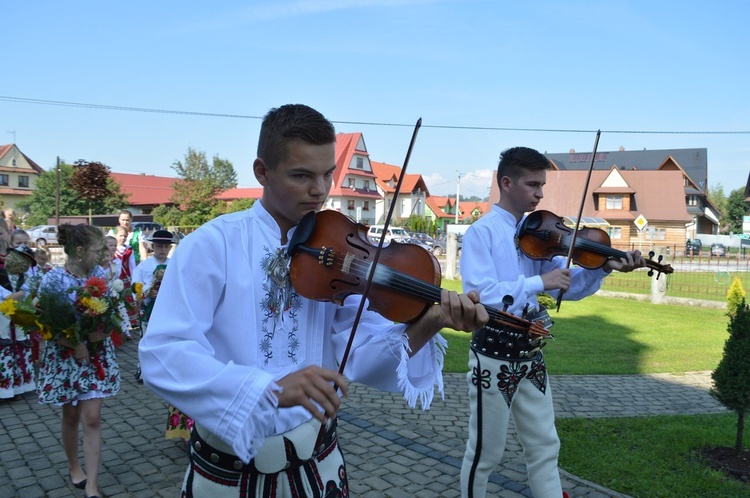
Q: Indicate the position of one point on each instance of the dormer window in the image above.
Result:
(351, 183)
(360, 163)
(614, 202)
(367, 184)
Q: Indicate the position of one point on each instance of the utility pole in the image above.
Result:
(57, 192)
(458, 195)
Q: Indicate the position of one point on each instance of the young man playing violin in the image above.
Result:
(235, 347)
(505, 378)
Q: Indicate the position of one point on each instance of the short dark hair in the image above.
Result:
(516, 159)
(288, 123)
(71, 236)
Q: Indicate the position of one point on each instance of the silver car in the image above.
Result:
(41, 235)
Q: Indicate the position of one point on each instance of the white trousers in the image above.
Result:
(496, 389)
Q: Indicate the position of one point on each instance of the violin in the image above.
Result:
(332, 257)
(543, 235)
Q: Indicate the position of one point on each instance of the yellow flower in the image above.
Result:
(95, 304)
(138, 288)
(70, 333)
(8, 307)
(45, 331)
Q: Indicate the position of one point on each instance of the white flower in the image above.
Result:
(118, 286)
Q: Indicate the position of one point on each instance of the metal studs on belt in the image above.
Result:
(214, 458)
(197, 446)
(237, 465)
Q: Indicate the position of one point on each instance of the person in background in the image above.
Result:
(4, 241)
(16, 349)
(134, 238)
(127, 265)
(78, 377)
(112, 267)
(42, 256)
(10, 219)
(231, 344)
(19, 237)
(506, 375)
(144, 275)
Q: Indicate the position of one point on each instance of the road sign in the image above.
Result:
(641, 222)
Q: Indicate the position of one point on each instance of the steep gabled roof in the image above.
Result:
(4, 149)
(385, 174)
(693, 162)
(146, 190)
(433, 203)
(347, 145)
(659, 195)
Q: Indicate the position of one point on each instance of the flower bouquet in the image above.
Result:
(23, 313)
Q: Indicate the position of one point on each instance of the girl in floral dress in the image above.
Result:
(112, 267)
(124, 254)
(78, 377)
(16, 361)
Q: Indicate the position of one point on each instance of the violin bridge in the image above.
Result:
(346, 265)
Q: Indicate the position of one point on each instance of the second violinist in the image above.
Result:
(516, 385)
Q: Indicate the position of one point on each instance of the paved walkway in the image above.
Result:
(391, 451)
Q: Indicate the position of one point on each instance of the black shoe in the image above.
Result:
(79, 485)
(138, 376)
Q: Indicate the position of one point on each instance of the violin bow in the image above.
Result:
(371, 274)
(580, 213)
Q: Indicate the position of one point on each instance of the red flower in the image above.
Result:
(96, 286)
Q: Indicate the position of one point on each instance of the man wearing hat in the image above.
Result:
(144, 274)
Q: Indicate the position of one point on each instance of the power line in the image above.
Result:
(24, 100)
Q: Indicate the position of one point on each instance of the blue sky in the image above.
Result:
(546, 65)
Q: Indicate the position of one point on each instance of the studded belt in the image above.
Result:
(505, 344)
(281, 452)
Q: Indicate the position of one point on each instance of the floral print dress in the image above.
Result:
(62, 379)
(16, 362)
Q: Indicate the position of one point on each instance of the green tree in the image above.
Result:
(40, 205)
(732, 375)
(718, 198)
(735, 296)
(200, 182)
(167, 215)
(736, 209)
(91, 181)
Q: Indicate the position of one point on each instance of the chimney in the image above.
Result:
(572, 151)
(621, 149)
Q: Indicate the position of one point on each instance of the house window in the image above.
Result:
(367, 184)
(351, 182)
(656, 233)
(23, 181)
(692, 200)
(350, 205)
(614, 202)
(4, 180)
(614, 232)
(13, 163)
(365, 205)
(360, 163)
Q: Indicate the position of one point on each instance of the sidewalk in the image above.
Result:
(391, 450)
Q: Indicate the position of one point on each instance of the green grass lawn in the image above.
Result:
(639, 456)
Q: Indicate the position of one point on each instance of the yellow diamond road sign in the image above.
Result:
(641, 222)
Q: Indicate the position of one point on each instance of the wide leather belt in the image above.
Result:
(280, 452)
(504, 344)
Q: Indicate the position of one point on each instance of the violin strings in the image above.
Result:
(408, 284)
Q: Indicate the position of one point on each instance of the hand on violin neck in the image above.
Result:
(558, 279)
(631, 261)
(456, 311)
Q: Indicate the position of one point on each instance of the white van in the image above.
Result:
(394, 233)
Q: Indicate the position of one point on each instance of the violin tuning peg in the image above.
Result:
(660, 258)
(651, 274)
(507, 301)
(651, 254)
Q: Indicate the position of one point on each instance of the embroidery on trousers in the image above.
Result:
(510, 375)
(484, 378)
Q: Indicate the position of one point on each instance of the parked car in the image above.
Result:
(41, 235)
(416, 241)
(394, 233)
(423, 238)
(439, 245)
(693, 247)
(718, 250)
